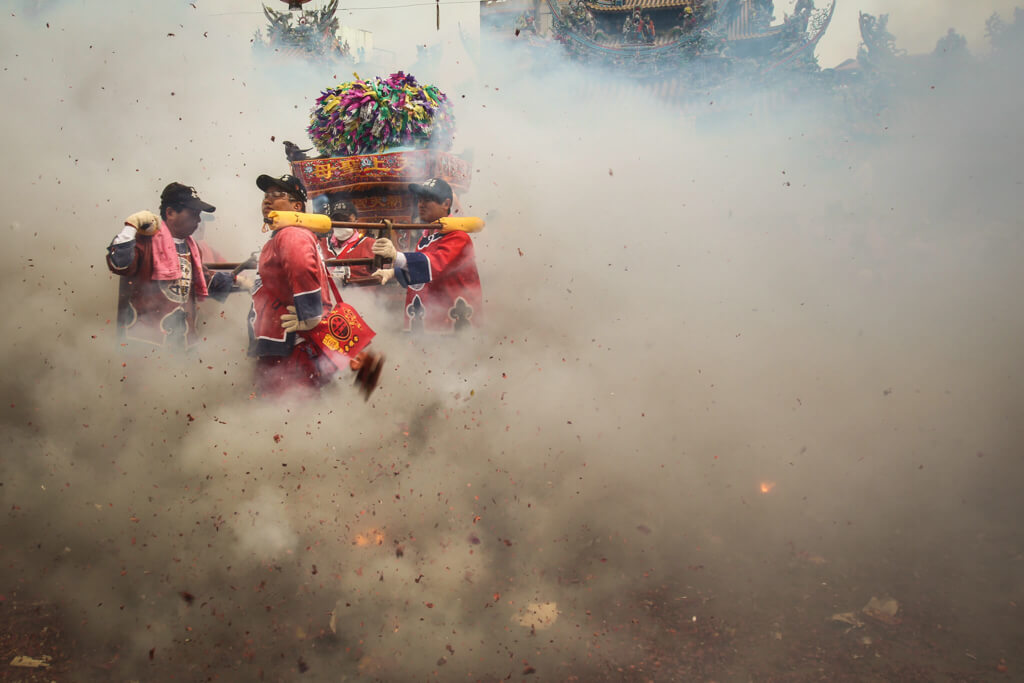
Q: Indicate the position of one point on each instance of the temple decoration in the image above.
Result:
(305, 33)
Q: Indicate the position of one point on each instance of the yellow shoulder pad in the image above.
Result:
(461, 224)
(317, 222)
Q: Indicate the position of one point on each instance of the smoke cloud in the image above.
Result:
(917, 24)
(742, 371)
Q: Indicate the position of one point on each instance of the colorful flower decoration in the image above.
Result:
(366, 117)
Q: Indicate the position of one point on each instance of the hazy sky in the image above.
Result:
(917, 24)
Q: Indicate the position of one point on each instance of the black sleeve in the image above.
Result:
(121, 256)
(219, 285)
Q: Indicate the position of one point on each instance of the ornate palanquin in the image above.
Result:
(378, 184)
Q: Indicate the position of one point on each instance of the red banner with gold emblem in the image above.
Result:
(341, 334)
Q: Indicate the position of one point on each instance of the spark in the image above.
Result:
(372, 537)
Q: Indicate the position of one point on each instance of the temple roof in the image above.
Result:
(746, 33)
(607, 7)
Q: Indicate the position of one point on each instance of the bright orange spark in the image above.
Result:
(767, 486)
(372, 537)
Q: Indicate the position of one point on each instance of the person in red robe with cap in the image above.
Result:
(443, 292)
(346, 243)
(292, 294)
(162, 274)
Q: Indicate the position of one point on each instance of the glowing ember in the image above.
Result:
(372, 537)
(767, 486)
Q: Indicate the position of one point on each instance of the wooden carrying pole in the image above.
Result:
(249, 265)
(322, 224)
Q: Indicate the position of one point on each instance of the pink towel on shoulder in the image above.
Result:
(165, 259)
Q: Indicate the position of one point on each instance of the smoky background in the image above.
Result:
(735, 378)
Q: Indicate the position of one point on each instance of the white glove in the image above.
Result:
(385, 275)
(290, 322)
(145, 222)
(384, 247)
(244, 282)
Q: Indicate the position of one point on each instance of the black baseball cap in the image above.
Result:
(341, 209)
(433, 188)
(176, 194)
(288, 183)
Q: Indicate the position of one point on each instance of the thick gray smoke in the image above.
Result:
(916, 23)
(733, 376)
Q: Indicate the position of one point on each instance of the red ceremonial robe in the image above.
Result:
(356, 246)
(291, 273)
(443, 292)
